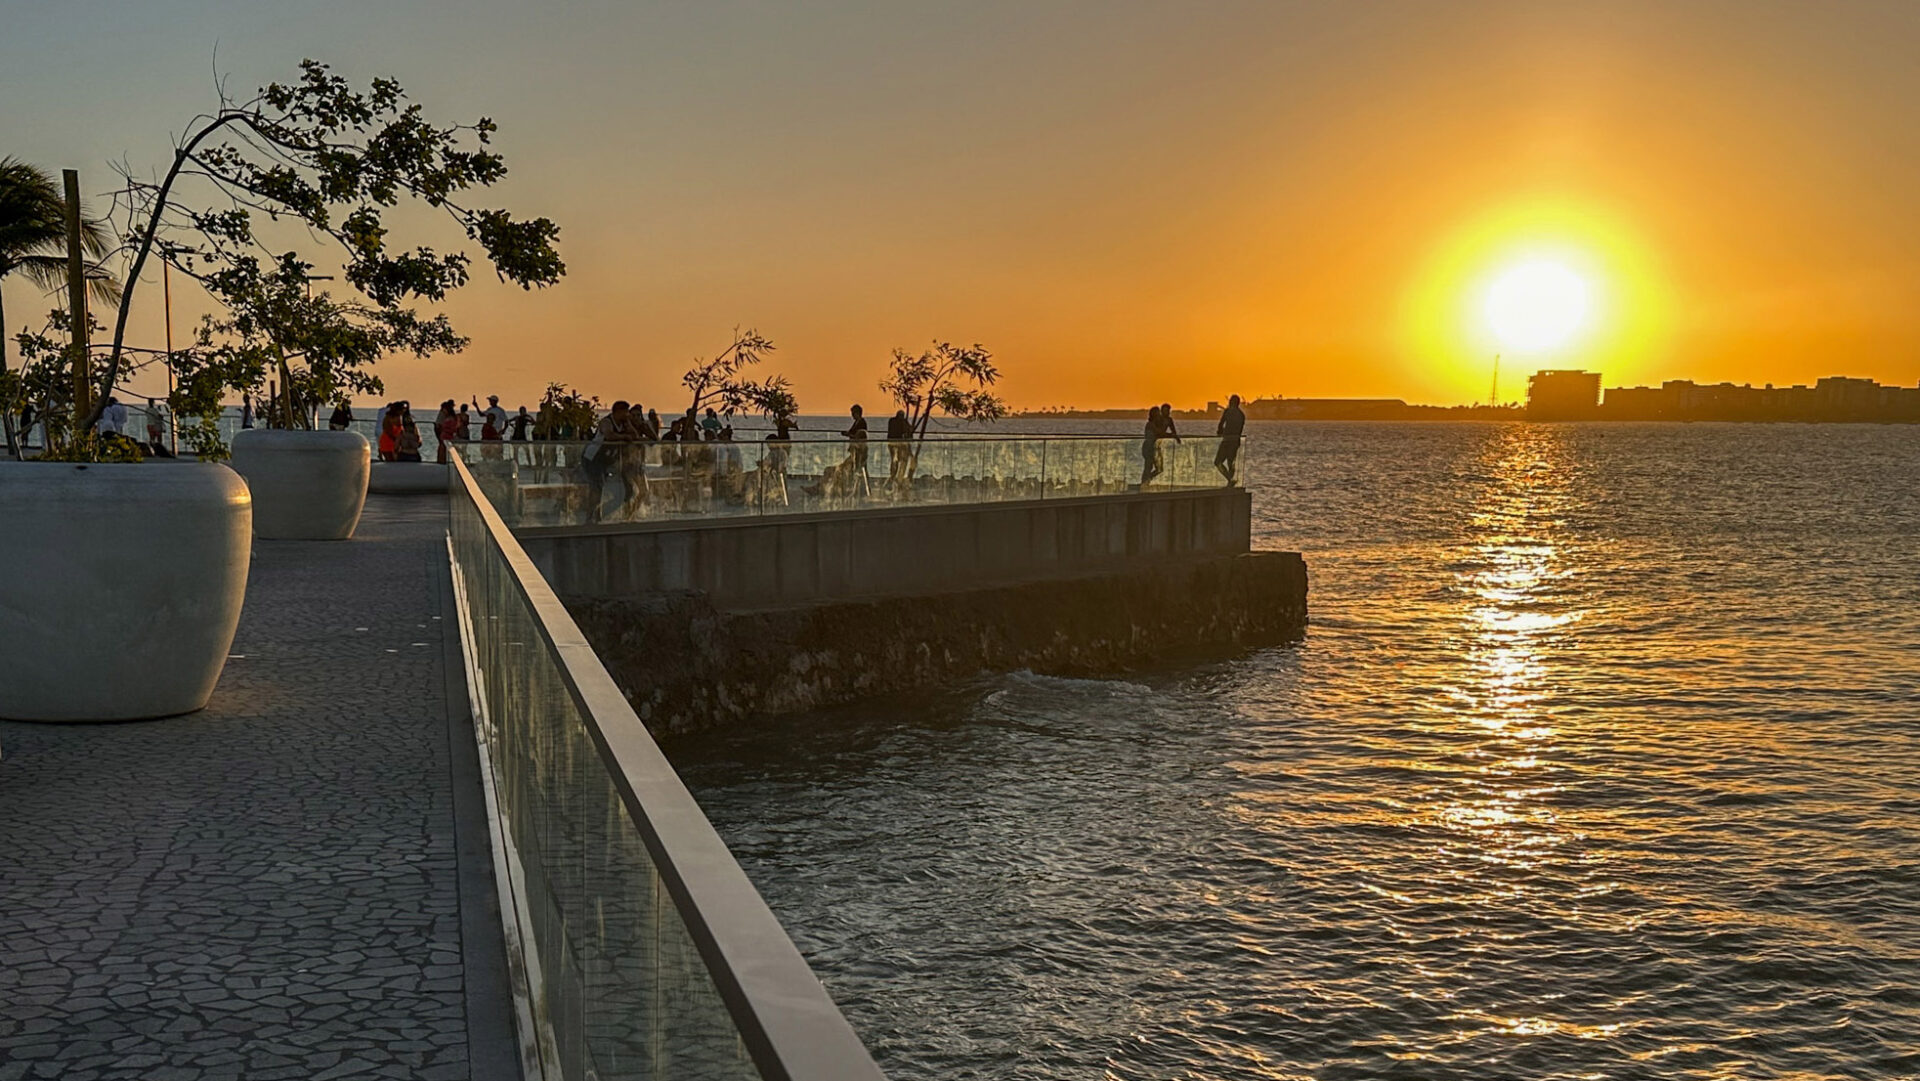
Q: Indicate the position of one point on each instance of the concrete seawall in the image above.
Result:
(715, 621)
(748, 563)
(686, 665)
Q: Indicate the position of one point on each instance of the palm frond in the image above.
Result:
(49, 272)
(33, 227)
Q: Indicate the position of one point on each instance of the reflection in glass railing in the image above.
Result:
(625, 952)
(558, 484)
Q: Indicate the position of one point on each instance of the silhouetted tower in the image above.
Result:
(1493, 396)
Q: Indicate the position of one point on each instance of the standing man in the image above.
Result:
(156, 429)
(606, 452)
(899, 435)
(496, 414)
(1233, 421)
(856, 434)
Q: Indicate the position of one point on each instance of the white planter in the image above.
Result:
(306, 485)
(120, 587)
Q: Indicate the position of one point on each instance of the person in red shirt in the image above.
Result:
(447, 427)
(390, 434)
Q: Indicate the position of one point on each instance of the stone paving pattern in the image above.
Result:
(268, 888)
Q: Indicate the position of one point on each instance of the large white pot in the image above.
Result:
(120, 587)
(306, 485)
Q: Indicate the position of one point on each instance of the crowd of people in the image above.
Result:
(627, 423)
(399, 437)
(114, 426)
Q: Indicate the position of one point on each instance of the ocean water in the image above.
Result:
(1600, 759)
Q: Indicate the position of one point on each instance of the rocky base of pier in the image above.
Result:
(686, 665)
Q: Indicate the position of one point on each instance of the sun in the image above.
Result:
(1552, 281)
(1537, 305)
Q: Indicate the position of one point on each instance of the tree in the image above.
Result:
(320, 154)
(951, 378)
(566, 413)
(33, 244)
(722, 380)
(45, 378)
(319, 349)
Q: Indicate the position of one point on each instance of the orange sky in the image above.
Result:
(1128, 202)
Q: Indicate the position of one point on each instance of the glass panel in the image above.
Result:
(554, 484)
(619, 990)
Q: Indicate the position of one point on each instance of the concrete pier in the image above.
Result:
(906, 551)
(686, 665)
(715, 621)
(292, 883)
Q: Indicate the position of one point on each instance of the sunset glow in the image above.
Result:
(1544, 282)
(857, 541)
(1150, 215)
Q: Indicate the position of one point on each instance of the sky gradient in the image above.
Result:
(1129, 203)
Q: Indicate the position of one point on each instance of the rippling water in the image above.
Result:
(1599, 760)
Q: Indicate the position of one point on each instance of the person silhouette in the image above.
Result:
(1233, 421)
(856, 463)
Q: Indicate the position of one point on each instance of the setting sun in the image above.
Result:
(1545, 280)
(1537, 305)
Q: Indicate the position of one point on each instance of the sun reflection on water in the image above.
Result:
(1494, 804)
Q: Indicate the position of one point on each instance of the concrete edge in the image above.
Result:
(747, 521)
(499, 1025)
(1088, 574)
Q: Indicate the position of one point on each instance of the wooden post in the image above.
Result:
(15, 448)
(173, 429)
(77, 299)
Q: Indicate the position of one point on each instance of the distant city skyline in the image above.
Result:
(1579, 395)
(1519, 397)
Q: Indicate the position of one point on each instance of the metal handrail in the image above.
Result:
(789, 1025)
(823, 435)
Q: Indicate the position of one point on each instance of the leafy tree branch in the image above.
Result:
(321, 153)
(722, 381)
(954, 379)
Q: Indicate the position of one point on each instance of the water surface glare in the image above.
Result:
(1599, 760)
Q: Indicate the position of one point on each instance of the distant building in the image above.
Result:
(1563, 395)
(1327, 409)
(1835, 398)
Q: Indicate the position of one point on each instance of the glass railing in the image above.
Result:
(647, 953)
(562, 484)
(157, 424)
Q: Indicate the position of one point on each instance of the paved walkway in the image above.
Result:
(291, 883)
